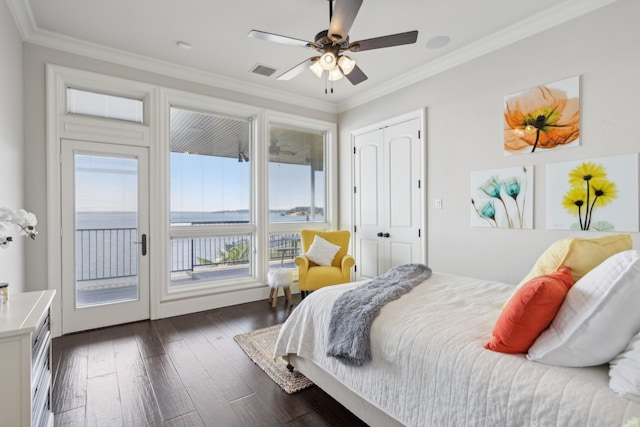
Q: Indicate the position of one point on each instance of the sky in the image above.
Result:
(207, 183)
(198, 183)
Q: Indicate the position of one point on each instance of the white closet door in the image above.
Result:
(369, 203)
(388, 198)
(402, 188)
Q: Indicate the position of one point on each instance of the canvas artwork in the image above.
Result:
(543, 118)
(599, 194)
(502, 198)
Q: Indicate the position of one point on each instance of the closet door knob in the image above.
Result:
(380, 234)
(385, 235)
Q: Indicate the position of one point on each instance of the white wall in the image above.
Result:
(12, 170)
(465, 132)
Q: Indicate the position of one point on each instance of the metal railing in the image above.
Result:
(106, 253)
(110, 253)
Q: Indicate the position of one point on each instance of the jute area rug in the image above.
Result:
(259, 346)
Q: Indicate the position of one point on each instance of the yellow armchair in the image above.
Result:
(312, 276)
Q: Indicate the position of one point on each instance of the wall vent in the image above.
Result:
(263, 70)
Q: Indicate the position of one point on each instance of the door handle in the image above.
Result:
(143, 242)
(379, 234)
(385, 235)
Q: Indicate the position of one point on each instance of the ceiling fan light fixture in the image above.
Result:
(317, 69)
(346, 64)
(328, 61)
(330, 43)
(335, 74)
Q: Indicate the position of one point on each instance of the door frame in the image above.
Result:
(59, 126)
(416, 114)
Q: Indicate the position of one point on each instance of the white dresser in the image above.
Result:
(25, 360)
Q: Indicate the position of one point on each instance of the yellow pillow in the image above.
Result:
(580, 255)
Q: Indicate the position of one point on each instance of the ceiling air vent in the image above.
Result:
(263, 70)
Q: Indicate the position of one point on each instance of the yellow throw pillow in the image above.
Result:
(580, 255)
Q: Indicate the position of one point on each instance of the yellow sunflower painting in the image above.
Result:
(597, 195)
(543, 118)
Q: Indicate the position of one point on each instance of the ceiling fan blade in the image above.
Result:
(356, 76)
(384, 41)
(301, 67)
(344, 14)
(256, 34)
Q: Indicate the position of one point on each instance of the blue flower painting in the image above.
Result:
(502, 198)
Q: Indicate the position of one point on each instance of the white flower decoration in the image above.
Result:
(11, 219)
(5, 238)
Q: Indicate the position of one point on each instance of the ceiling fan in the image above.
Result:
(333, 42)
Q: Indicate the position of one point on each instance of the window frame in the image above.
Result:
(331, 172)
(206, 105)
(153, 133)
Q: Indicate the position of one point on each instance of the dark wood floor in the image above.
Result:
(180, 371)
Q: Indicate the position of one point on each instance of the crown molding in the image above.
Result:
(542, 21)
(22, 16)
(520, 30)
(30, 33)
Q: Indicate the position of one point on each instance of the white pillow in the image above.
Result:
(597, 318)
(624, 371)
(321, 251)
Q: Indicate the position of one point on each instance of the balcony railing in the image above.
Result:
(111, 253)
(106, 253)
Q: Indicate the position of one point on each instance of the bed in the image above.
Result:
(429, 366)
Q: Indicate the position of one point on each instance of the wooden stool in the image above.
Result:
(273, 295)
(280, 278)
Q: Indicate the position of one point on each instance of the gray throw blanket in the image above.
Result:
(354, 311)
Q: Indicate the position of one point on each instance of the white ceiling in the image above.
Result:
(144, 34)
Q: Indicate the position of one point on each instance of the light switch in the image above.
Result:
(438, 203)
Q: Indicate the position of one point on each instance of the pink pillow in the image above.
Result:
(530, 311)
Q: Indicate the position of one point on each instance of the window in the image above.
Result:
(297, 182)
(296, 174)
(209, 192)
(102, 105)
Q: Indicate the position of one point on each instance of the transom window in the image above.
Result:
(97, 104)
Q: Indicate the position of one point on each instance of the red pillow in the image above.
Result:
(530, 311)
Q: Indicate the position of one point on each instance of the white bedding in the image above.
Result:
(430, 368)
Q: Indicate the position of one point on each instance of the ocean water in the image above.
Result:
(93, 220)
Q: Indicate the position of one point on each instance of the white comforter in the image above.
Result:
(430, 368)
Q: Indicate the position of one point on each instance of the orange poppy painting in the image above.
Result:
(543, 118)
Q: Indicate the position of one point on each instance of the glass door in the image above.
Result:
(105, 219)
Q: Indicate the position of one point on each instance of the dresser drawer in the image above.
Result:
(25, 351)
(40, 337)
(40, 401)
